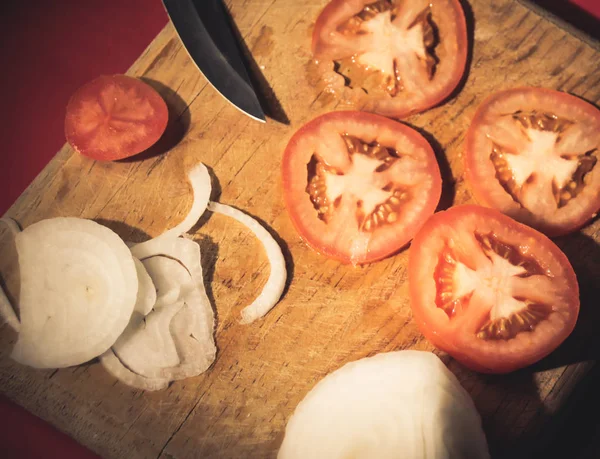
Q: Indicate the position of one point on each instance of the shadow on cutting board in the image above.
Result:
(448, 180)
(209, 251)
(520, 425)
(584, 343)
(266, 96)
(508, 405)
(126, 232)
(177, 126)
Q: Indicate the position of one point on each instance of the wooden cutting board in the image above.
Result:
(330, 313)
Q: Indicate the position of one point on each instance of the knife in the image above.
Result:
(203, 27)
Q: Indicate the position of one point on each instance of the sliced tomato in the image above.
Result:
(114, 117)
(358, 186)
(391, 57)
(533, 154)
(495, 294)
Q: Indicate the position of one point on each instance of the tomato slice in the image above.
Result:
(358, 186)
(533, 154)
(114, 117)
(391, 57)
(495, 294)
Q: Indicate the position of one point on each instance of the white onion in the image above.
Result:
(146, 295)
(115, 367)
(193, 326)
(271, 292)
(404, 405)
(175, 340)
(78, 289)
(7, 312)
(201, 187)
(169, 275)
(146, 346)
(142, 308)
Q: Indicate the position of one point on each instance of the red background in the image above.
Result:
(591, 6)
(48, 50)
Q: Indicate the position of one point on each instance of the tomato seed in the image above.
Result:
(394, 201)
(373, 9)
(524, 320)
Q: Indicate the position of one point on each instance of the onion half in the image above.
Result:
(404, 405)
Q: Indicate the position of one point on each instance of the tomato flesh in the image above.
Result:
(495, 294)
(390, 57)
(114, 117)
(358, 186)
(533, 154)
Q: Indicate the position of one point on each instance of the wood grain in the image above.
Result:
(331, 313)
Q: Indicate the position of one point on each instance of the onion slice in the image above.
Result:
(200, 181)
(146, 296)
(169, 275)
(403, 404)
(115, 367)
(197, 352)
(146, 346)
(273, 289)
(191, 286)
(7, 312)
(78, 290)
(175, 340)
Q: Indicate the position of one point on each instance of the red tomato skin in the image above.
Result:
(476, 180)
(288, 175)
(157, 124)
(444, 340)
(336, 9)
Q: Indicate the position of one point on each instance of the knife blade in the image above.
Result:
(204, 29)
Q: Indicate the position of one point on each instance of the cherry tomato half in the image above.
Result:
(358, 186)
(114, 117)
(495, 294)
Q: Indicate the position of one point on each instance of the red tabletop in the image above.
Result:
(49, 50)
(591, 6)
